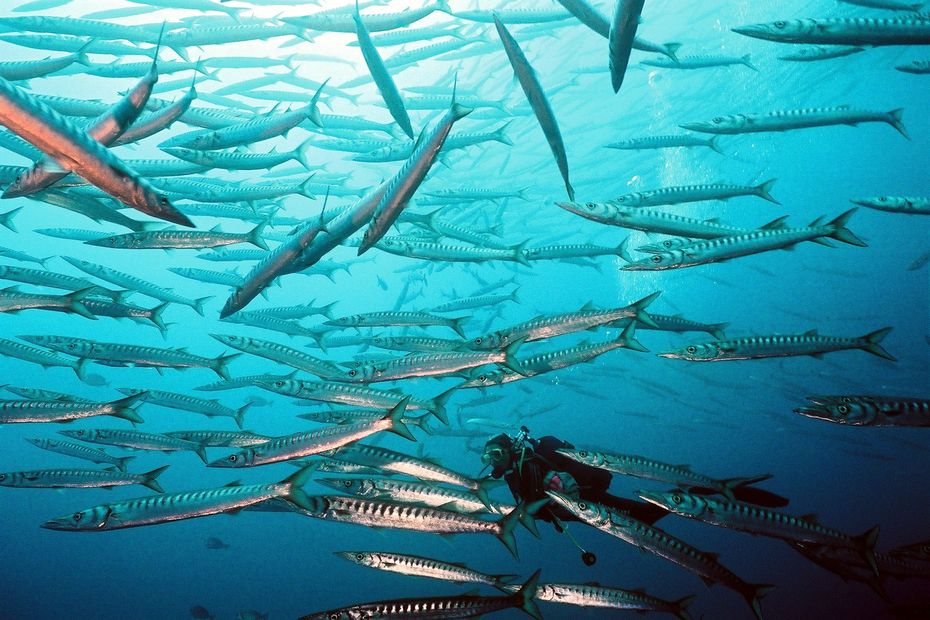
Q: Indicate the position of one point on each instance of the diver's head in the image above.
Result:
(498, 453)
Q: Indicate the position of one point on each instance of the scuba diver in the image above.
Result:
(531, 467)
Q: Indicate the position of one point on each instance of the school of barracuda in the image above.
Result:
(222, 158)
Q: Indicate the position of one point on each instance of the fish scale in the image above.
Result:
(81, 452)
(422, 567)
(429, 365)
(414, 492)
(844, 31)
(436, 251)
(80, 479)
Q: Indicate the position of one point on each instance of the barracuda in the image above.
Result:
(282, 354)
(820, 52)
(180, 239)
(221, 439)
(843, 31)
(642, 467)
(745, 517)
(896, 204)
(402, 187)
(652, 221)
(868, 410)
(722, 249)
(360, 396)
(665, 142)
(137, 440)
(421, 344)
(399, 318)
(598, 22)
(178, 506)
(12, 301)
(417, 566)
(428, 250)
(695, 193)
(536, 96)
(11, 348)
(304, 444)
(184, 402)
(394, 515)
(700, 62)
(657, 542)
(679, 324)
(19, 411)
(249, 132)
(80, 479)
(426, 494)
(77, 152)
(592, 595)
(355, 416)
(477, 301)
(627, 15)
(103, 307)
(756, 347)
(118, 354)
(343, 22)
(439, 608)
(136, 284)
(433, 365)
(78, 451)
(784, 120)
(554, 360)
(561, 324)
(242, 161)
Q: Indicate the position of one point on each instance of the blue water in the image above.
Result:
(724, 419)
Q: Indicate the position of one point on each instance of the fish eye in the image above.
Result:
(352, 373)
(666, 244)
(279, 383)
(657, 259)
(77, 516)
(590, 205)
(347, 484)
(163, 201)
(676, 499)
(2, 476)
(621, 199)
(583, 453)
(483, 378)
(691, 349)
(882, 199)
(479, 340)
(71, 345)
(843, 409)
(780, 24)
(19, 179)
(79, 433)
(717, 120)
(233, 458)
(359, 556)
(334, 616)
(582, 506)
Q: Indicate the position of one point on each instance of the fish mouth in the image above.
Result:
(332, 483)
(862, 202)
(652, 497)
(812, 412)
(700, 126)
(672, 355)
(32, 339)
(757, 31)
(57, 524)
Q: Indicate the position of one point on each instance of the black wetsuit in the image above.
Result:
(540, 458)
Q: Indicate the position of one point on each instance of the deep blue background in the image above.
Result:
(724, 419)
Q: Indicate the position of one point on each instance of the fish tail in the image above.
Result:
(198, 304)
(314, 113)
(681, 607)
(623, 250)
(525, 596)
(505, 529)
(639, 308)
(443, 7)
(671, 50)
(305, 188)
(327, 310)
(396, 418)
(870, 343)
(122, 461)
(746, 61)
(123, 407)
(220, 363)
(728, 485)
(763, 189)
(627, 341)
(295, 493)
(7, 218)
(865, 544)
(156, 318)
(73, 301)
(255, 236)
(301, 153)
(438, 407)
(201, 451)
(754, 593)
(149, 479)
(240, 414)
(500, 134)
(503, 582)
(457, 325)
(79, 367)
(717, 330)
(200, 68)
(894, 119)
(482, 488)
(519, 253)
(421, 423)
(510, 361)
(841, 233)
(712, 143)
